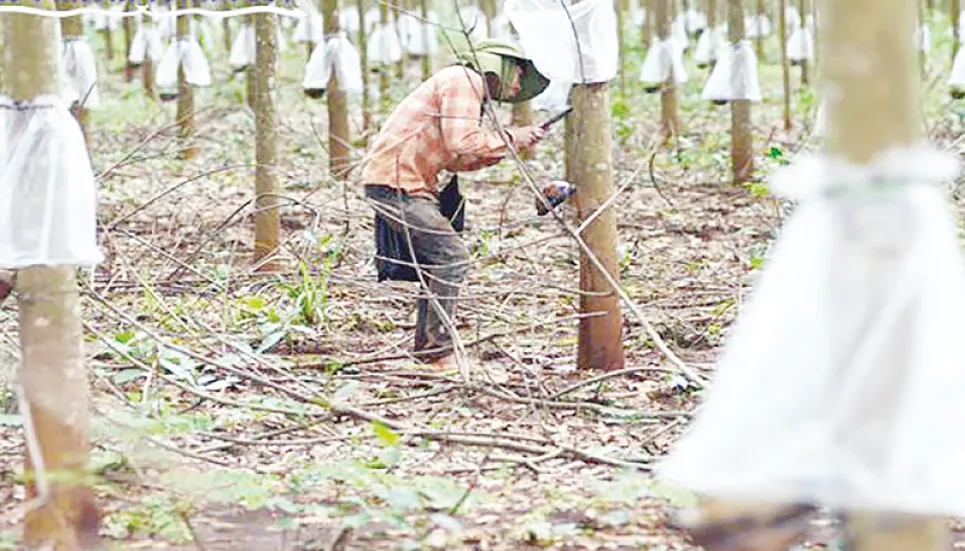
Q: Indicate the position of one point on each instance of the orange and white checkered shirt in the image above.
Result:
(438, 126)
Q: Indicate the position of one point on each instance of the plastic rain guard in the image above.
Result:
(664, 58)
(336, 53)
(78, 80)
(309, 29)
(856, 279)
(47, 196)
(554, 98)
(383, 46)
(709, 44)
(957, 77)
(188, 54)
(800, 45)
(242, 48)
(757, 25)
(546, 35)
(735, 75)
(146, 43)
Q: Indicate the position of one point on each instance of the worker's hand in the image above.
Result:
(528, 136)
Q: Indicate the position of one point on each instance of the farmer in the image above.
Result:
(439, 126)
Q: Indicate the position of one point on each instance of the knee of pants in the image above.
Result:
(457, 264)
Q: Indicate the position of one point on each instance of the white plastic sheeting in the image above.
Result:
(708, 44)
(664, 60)
(860, 307)
(923, 38)
(78, 66)
(638, 16)
(373, 19)
(348, 19)
(792, 17)
(546, 35)
(102, 21)
(383, 45)
(735, 75)
(48, 203)
(186, 53)
(500, 26)
(691, 21)
(800, 45)
(757, 26)
(555, 97)
(242, 48)
(337, 54)
(678, 33)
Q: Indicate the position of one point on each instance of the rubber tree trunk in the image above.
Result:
(52, 371)
(226, 26)
(128, 35)
(712, 24)
(760, 35)
(72, 28)
(364, 64)
(398, 8)
(339, 146)
(648, 22)
(621, 10)
(385, 102)
(267, 217)
(888, 83)
(147, 68)
(427, 30)
(805, 69)
(669, 118)
(785, 69)
(600, 344)
(742, 143)
(956, 9)
(108, 36)
(185, 112)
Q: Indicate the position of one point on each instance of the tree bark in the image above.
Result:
(267, 218)
(760, 35)
(888, 83)
(426, 29)
(956, 10)
(785, 70)
(385, 102)
(226, 26)
(185, 111)
(339, 146)
(364, 64)
(621, 10)
(600, 344)
(669, 118)
(742, 146)
(52, 371)
(398, 7)
(805, 70)
(648, 22)
(128, 35)
(73, 28)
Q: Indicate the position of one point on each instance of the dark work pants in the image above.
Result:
(442, 259)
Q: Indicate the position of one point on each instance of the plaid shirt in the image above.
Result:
(439, 126)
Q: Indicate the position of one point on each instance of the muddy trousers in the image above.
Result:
(441, 257)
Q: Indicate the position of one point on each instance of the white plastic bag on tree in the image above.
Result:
(309, 29)
(373, 18)
(242, 48)
(186, 53)
(554, 98)
(78, 68)
(709, 42)
(202, 28)
(639, 17)
(957, 79)
(678, 33)
(348, 19)
(339, 54)
(792, 17)
(867, 269)
(48, 203)
(735, 75)
(146, 43)
(421, 38)
(546, 35)
(102, 20)
(923, 38)
(757, 26)
(821, 120)
(691, 21)
(165, 23)
(800, 46)
(664, 60)
(475, 22)
(383, 45)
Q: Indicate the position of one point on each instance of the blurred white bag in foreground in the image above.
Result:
(546, 35)
(339, 54)
(860, 309)
(664, 59)
(48, 204)
(923, 38)
(735, 75)
(78, 81)
(821, 120)
(800, 45)
(185, 53)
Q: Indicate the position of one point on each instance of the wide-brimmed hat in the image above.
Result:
(491, 55)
